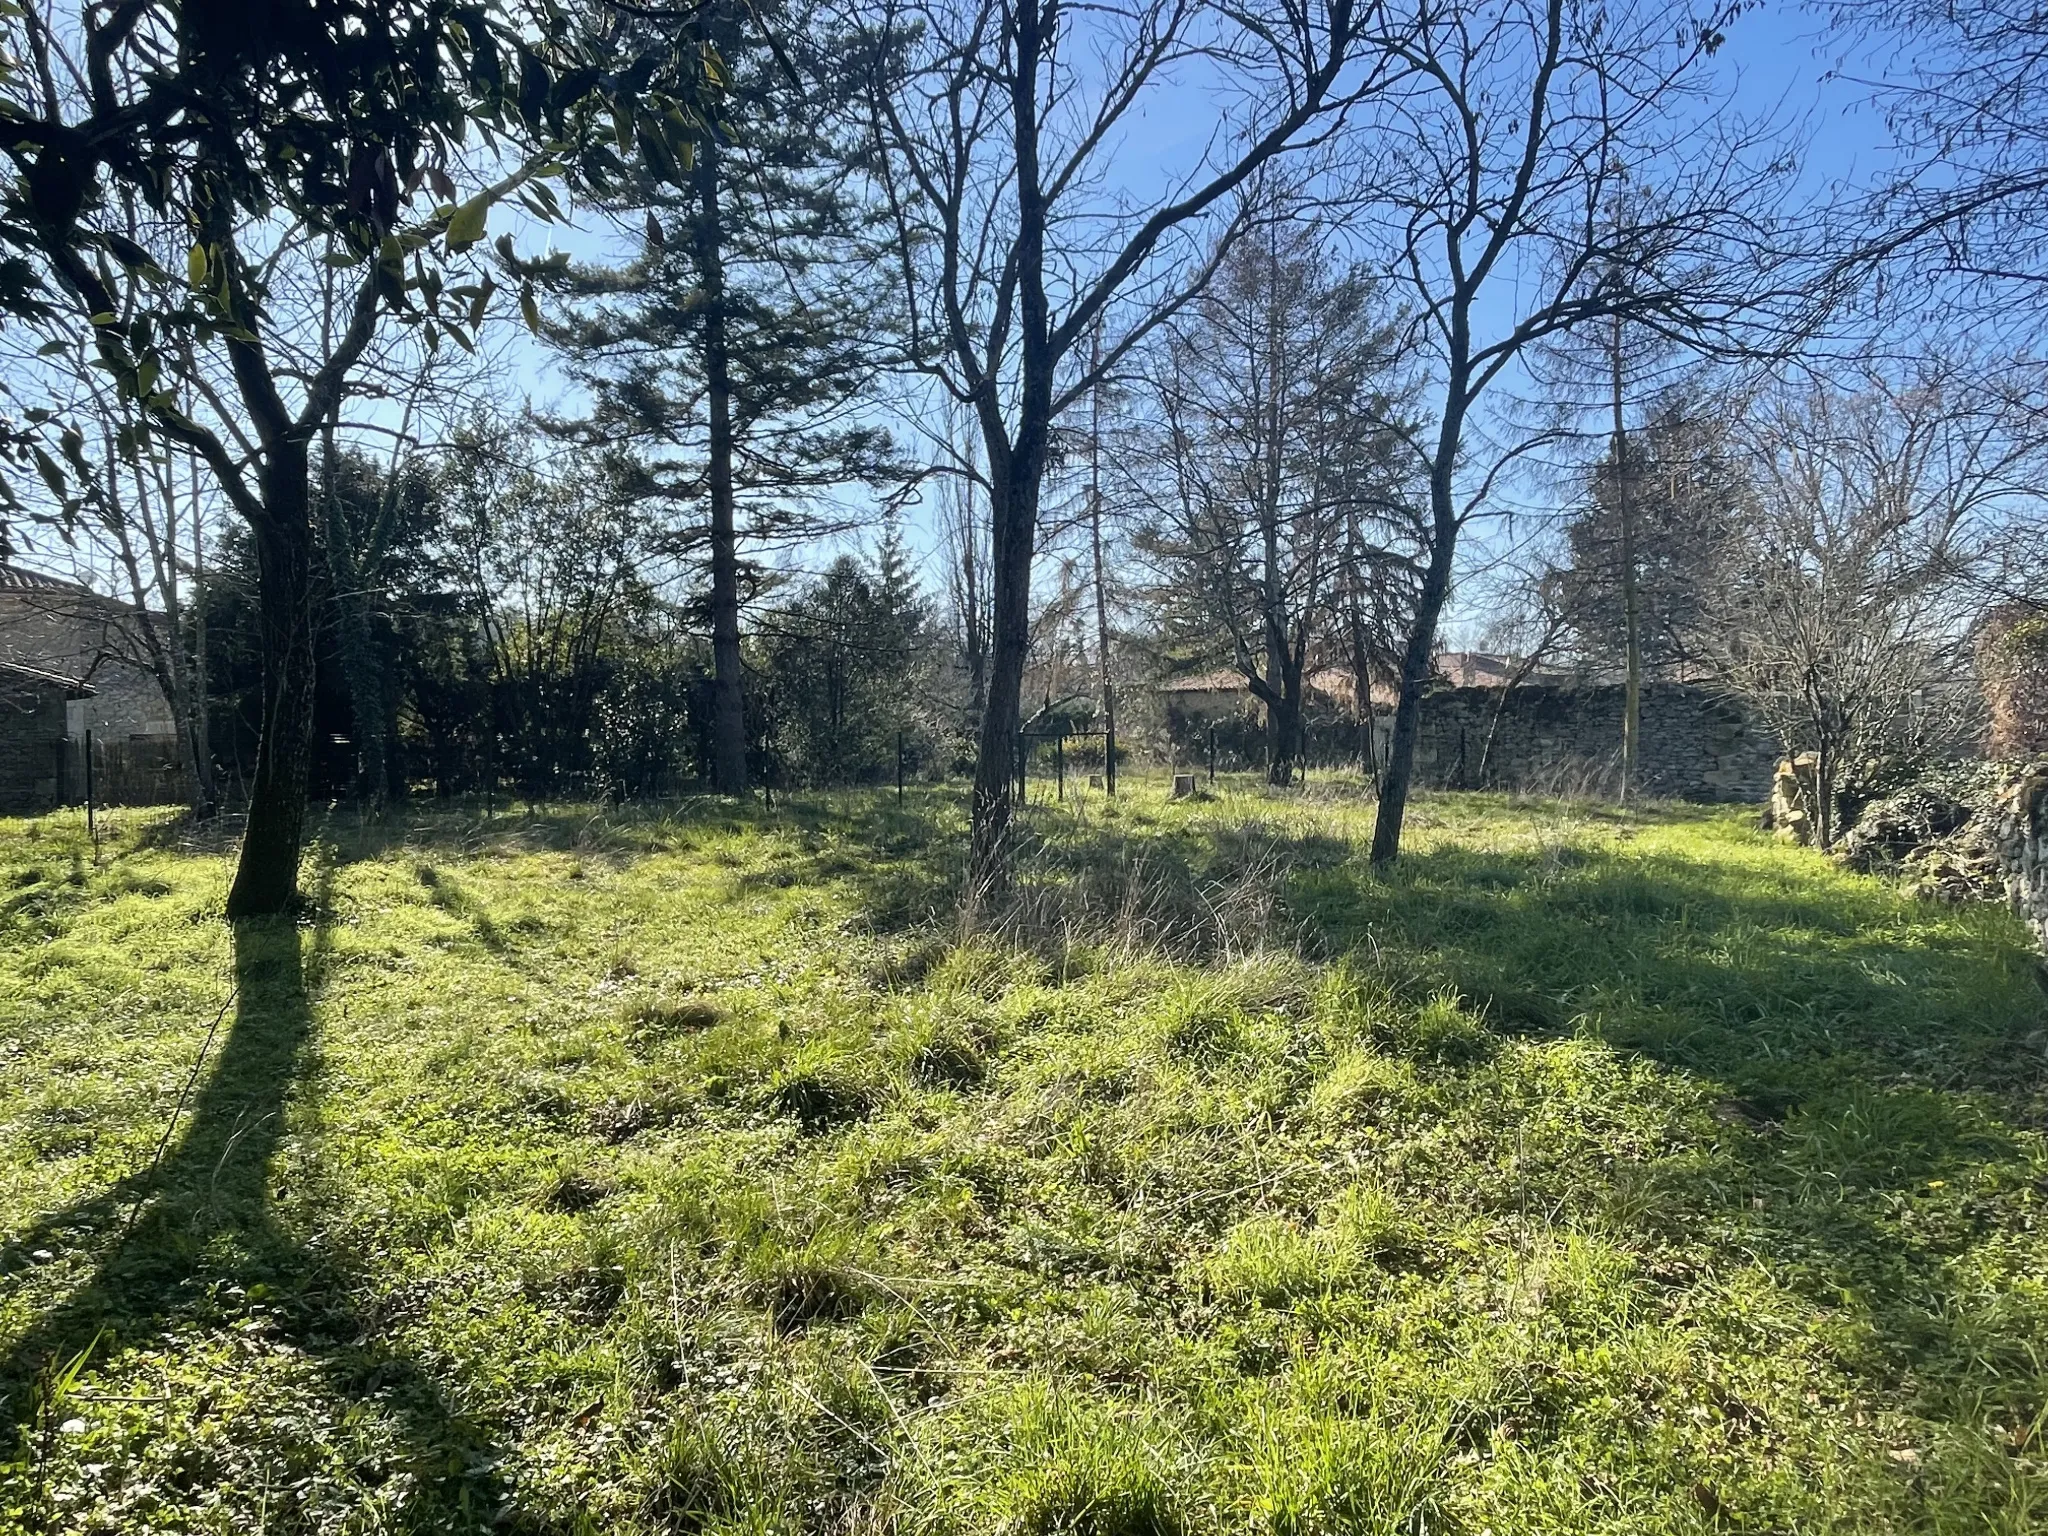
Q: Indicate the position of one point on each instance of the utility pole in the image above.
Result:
(1101, 587)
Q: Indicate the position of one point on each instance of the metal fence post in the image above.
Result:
(1109, 739)
(1212, 754)
(92, 828)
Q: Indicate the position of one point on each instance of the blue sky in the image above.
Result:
(1775, 62)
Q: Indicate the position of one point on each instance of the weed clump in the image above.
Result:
(577, 1190)
(660, 1018)
(950, 1059)
(822, 1103)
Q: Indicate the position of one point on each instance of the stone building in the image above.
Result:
(33, 706)
(73, 662)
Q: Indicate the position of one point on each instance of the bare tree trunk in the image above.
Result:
(1014, 520)
(1361, 648)
(1514, 680)
(199, 700)
(1631, 608)
(362, 670)
(166, 661)
(1283, 713)
(976, 632)
(1279, 728)
(1016, 469)
(1429, 607)
(729, 715)
(1293, 740)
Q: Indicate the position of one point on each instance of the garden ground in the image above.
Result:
(682, 1170)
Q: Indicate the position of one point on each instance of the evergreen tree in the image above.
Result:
(727, 357)
(840, 662)
(373, 528)
(1682, 487)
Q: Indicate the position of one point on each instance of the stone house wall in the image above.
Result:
(31, 736)
(78, 634)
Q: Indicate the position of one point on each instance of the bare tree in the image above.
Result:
(996, 124)
(963, 532)
(1275, 395)
(1492, 168)
(1965, 210)
(1843, 603)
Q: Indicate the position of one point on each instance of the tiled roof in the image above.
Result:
(16, 578)
(1222, 680)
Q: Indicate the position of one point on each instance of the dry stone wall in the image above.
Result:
(2019, 831)
(1566, 739)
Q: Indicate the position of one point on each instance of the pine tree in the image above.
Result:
(1681, 486)
(729, 355)
(840, 658)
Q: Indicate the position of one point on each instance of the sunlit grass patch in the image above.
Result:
(691, 1169)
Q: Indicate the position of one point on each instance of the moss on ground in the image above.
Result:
(685, 1172)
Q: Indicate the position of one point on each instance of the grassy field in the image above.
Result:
(685, 1173)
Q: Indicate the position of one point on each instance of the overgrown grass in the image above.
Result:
(686, 1172)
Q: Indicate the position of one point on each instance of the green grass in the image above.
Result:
(684, 1172)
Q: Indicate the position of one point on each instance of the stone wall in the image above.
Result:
(2019, 831)
(1566, 739)
(31, 735)
(1552, 739)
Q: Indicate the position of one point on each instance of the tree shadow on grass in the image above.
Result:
(1875, 1071)
(194, 1245)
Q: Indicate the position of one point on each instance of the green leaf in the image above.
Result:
(529, 310)
(654, 153)
(549, 209)
(53, 477)
(195, 266)
(466, 225)
(132, 256)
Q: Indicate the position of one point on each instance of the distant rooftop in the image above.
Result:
(39, 675)
(19, 578)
